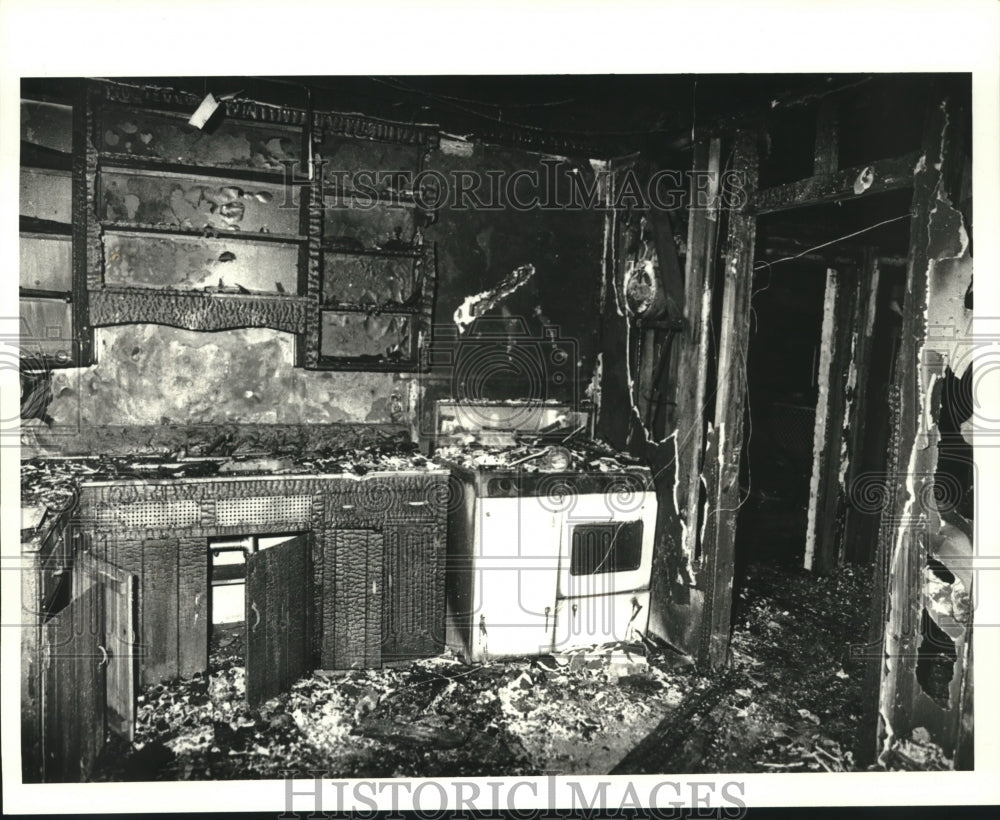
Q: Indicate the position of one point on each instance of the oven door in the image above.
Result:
(606, 548)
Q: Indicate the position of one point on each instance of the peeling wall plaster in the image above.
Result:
(943, 335)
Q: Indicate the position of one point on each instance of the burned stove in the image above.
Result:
(550, 533)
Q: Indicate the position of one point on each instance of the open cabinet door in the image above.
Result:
(278, 611)
(119, 609)
(87, 672)
(72, 687)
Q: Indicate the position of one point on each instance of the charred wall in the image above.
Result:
(540, 341)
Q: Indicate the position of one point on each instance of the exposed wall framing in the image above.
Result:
(824, 548)
(676, 602)
(725, 442)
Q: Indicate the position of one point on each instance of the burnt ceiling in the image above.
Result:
(598, 115)
(610, 115)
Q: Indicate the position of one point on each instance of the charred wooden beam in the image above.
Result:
(913, 521)
(723, 457)
(674, 600)
(671, 278)
(875, 178)
(826, 496)
(859, 402)
(699, 281)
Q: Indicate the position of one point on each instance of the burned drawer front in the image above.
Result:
(295, 511)
(379, 499)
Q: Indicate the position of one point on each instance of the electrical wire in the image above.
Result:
(760, 265)
(746, 379)
(607, 554)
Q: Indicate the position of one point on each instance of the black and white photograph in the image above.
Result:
(444, 434)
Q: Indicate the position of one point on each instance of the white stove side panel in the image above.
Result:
(516, 555)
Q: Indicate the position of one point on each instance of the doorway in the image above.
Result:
(782, 368)
(826, 310)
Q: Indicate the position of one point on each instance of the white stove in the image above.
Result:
(543, 555)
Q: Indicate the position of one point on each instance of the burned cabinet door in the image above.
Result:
(120, 606)
(413, 608)
(278, 629)
(351, 599)
(119, 611)
(72, 688)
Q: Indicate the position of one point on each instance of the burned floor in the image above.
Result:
(791, 702)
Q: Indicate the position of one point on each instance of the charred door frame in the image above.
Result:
(912, 526)
(724, 441)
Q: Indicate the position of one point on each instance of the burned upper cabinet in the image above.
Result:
(126, 133)
(202, 229)
(373, 275)
(52, 308)
(266, 217)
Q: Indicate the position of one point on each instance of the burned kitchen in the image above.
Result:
(438, 426)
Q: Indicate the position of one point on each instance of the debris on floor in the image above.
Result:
(575, 712)
(790, 701)
(917, 753)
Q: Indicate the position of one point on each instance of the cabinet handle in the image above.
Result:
(347, 506)
(547, 611)
(417, 503)
(256, 612)
(104, 657)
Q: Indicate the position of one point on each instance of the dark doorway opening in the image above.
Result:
(826, 311)
(782, 366)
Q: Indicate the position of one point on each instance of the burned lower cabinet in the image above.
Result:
(79, 660)
(381, 595)
(413, 608)
(369, 549)
(379, 573)
(173, 604)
